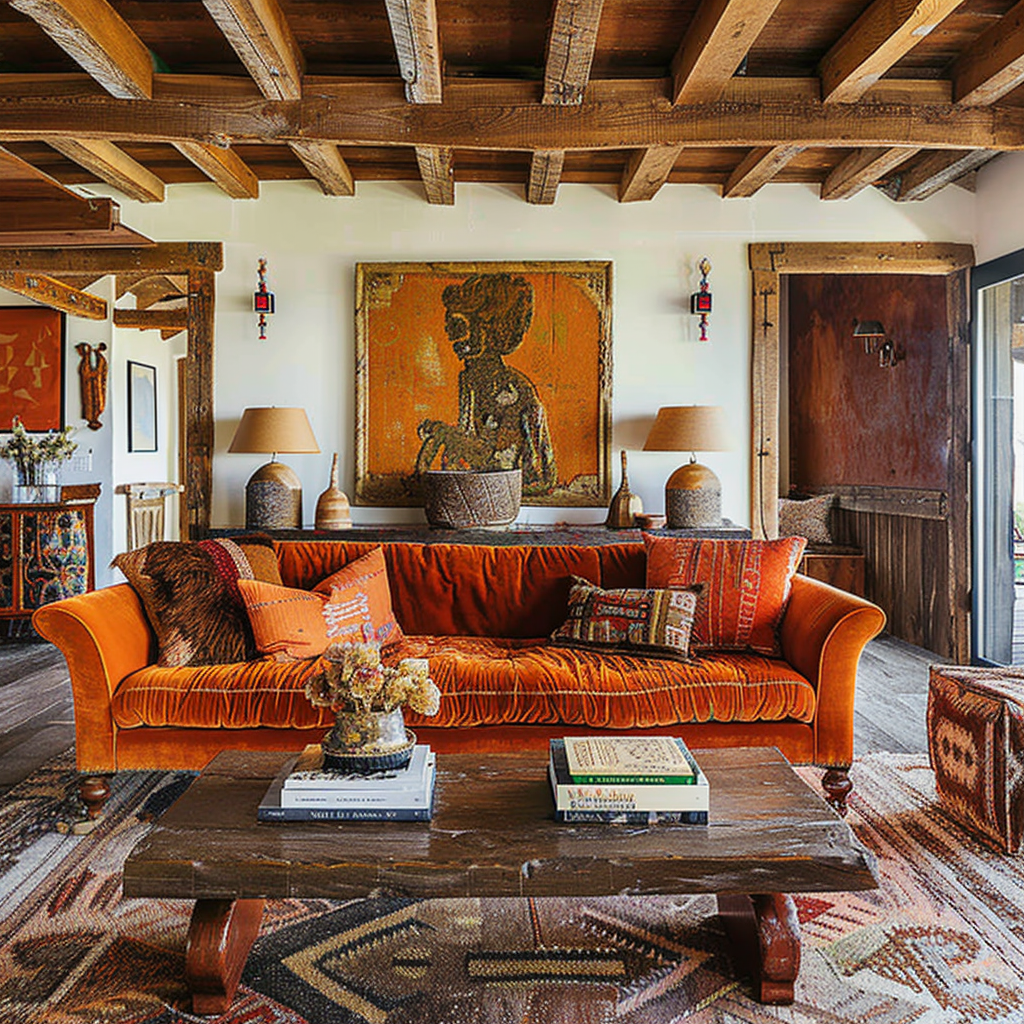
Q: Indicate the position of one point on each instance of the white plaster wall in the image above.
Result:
(313, 242)
(999, 204)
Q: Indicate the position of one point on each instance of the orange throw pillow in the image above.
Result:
(359, 606)
(285, 621)
(746, 586)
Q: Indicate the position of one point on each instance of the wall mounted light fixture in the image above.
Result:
(700, 301)
(876, 341)
(263, 300)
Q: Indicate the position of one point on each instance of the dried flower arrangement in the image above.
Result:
(354, 679)
(27, 452)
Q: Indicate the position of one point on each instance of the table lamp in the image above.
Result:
(273, 495)
(693, 494)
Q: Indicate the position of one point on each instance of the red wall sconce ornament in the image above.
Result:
(263, 300)
(700, 301)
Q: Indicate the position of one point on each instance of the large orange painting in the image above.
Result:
(31, 367)
(484, 366)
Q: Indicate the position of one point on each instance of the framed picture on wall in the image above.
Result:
(483, 366)
(141, 407)
(32, 357)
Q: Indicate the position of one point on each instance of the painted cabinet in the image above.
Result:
(46, 553)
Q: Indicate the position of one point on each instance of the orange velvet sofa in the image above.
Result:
(481, 615)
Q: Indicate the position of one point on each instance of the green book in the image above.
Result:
(629, 760)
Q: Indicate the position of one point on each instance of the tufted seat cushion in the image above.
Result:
(487, 681)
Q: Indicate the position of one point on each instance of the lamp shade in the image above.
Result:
(688, 428)
(274, 429)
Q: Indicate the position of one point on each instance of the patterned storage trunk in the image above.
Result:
(976, 744)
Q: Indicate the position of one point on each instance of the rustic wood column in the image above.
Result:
(199, 405)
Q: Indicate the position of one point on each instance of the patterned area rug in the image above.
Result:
(942, 942)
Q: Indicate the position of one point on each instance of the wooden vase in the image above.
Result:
(625, 505)
(332, 509)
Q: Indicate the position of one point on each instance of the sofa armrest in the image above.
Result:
(104, 636)
(822, 634)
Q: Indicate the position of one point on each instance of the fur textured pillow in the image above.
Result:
(190, 593)
(359, 606)
(655, 622)
(807, 518)
(746, 586)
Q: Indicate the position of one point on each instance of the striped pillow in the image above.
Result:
(746, 586)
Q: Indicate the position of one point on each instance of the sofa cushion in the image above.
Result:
(190, 593)
(487, 681)
(286, 622)
(632, 620)
(460, 589)
(807, 517)
(746, 586)
(359, 606)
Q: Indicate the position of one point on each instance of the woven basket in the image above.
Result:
(467, 500)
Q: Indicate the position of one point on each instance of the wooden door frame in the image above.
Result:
(200, 261)
(768, 262)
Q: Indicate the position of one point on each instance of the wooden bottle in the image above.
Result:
(332, 510)
(624, 504)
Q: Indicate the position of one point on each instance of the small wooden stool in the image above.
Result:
(976, 746)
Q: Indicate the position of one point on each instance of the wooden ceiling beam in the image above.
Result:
(99, 40)
(161, 257)
(545, 174)
(936, 170)
(570, 50)
(327, 166)
(56, 294)
(616, 114)
(223, 166)
(438, 173)
(152, 319)
(882, 35)
(94, 214)
(863, 168)
(757, 168)
(259, 33)
(860, 257)
(994, 63)
(646, 171)
(113, 166)
(414, 31)
(718, 39)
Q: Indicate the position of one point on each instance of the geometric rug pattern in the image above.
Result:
(942, 941)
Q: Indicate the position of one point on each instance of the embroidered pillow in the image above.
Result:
(746, 586)
(286, 622)
(655, 622)
(190, 593)
(359, 609)
(807, 518)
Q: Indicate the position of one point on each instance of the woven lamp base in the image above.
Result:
(693, 498)
(273, 499)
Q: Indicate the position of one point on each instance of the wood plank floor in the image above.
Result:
(37, 717)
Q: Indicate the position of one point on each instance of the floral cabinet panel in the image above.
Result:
(46, 554)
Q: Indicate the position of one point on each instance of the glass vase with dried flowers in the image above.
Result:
(367, 698)
(35, 461)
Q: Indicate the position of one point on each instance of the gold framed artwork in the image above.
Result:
(478, 366)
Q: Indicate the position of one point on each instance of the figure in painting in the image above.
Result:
(502, 423)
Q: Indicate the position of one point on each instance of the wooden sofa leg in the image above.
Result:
(837, 785)
(93, 791)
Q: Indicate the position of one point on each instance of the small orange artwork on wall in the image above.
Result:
(484, 366)
(31, 367)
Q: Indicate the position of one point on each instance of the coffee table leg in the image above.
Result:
(765, 934)
(220, 935)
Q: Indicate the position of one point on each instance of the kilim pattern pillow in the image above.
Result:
(807, 518)
(359, 609)
(286, 622)
(746, 586)
(190, 593)
(655, 622)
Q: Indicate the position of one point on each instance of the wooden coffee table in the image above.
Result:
(494, 834)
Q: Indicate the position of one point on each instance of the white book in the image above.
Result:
(308, 773)
(366, 797)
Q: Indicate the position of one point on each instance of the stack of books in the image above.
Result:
(629, 780)
(305, 791)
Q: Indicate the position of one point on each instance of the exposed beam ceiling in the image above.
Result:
(99, 40)
(113, 166)
(545, 174)
(224, 167)
(437, 171)
(757, 168)
(647, 170)
(570, 50)
(936, 170)
(54, 293)
(994, 64)
(414, 30)
(325, 164)
(719, 38)
(863, 168)
(884, 33)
